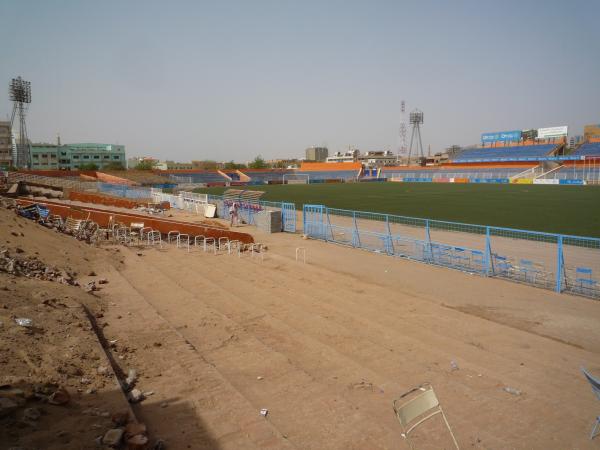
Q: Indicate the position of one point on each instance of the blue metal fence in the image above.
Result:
(120, 190)
(562, 263)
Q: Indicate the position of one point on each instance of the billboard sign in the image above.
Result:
(552, 132)
(501, 136)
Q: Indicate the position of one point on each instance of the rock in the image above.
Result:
(31, 414)
(135, 428)
(7, 406)
(113, 437)
(59, 397)
(131, 378)
(102, 370)
(137, 442)
(159, 445)
(102, 281)
(135, 396)
(164, 404)
(92, 274)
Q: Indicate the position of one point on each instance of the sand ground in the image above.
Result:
(326, 346)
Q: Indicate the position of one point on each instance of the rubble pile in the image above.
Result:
(31, 267)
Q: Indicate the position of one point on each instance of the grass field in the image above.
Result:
(558, 209)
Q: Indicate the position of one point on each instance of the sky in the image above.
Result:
(229, 80)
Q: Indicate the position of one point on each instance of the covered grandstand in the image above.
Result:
(455, 173)
(509, 153)
(588, 149)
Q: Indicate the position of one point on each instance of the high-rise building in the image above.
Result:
(317, 154)
(6, 145)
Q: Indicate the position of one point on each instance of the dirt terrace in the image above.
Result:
(327, 346)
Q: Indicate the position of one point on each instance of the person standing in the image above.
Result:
(233, 214)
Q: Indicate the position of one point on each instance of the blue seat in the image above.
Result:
(583, 278)
(501, 265)
(595, 383)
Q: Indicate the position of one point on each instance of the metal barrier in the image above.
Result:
(120, 190)
(562, 263)
(248, 210)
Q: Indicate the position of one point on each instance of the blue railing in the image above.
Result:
(120, 190)
(559, 262)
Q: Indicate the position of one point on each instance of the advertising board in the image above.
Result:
(552, 132)
(501, 136)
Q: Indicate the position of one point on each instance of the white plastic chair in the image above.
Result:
(421, 407)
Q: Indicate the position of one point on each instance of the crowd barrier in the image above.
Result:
(562, 263)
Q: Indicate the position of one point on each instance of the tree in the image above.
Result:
(145, 165)
(233, 166)
(88, 166)
(258, 163)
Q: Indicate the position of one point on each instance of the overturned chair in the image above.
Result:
(595, 383)
(415, 407)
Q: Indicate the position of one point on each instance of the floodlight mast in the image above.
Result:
(403, 130)
(20, 95)
(415, 118)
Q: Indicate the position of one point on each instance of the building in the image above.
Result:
(575, 140)
(76, 156)
(346, 157)
(317, 154)
(378, 158)
(44, 156)
(172, 165)
(6, 145)
(591, 131)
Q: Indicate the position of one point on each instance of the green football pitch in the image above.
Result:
(556, 209)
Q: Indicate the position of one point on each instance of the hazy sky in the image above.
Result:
(230, 80)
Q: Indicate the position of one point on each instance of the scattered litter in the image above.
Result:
(148, 393)
(259, 378)
(24, 322)
(512, 391)
(264, 412)
(453, 365)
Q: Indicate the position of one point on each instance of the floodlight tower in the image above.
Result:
(416, 120)
(20, 95)
(403, 129)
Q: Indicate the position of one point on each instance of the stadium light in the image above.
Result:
(20, 90)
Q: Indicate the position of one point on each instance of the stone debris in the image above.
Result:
(112, 438)
(135, 396)
(24, 322)
(59, 397)
(31, 267)
(131, 379)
